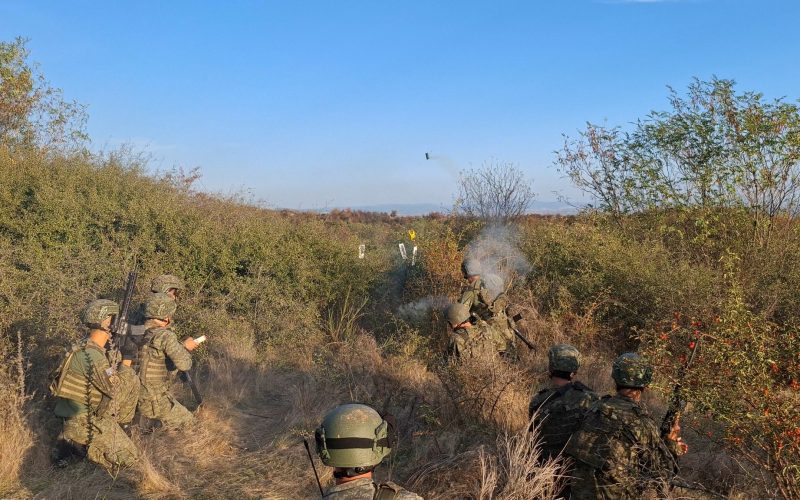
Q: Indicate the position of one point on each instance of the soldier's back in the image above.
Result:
(618, 451)
(559, 412)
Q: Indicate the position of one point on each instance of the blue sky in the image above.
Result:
(314, 104)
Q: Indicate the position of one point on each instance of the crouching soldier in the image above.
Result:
(557, 410)
(354, 439)
(93, 397)
(160, 346)
(618, 450)
(467, 340)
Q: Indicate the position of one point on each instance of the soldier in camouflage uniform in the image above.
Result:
(161, 346)
(618, 450)
(557, 410)
(354, 439)
(485, 298)
(468, 340)
(166, 283)
(94, 397)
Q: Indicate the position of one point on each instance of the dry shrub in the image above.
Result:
(17, 437)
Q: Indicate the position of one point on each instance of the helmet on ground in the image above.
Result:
(159, 306)
(354, 436)
(456, 313)
(631, 370)
(166, 282)
(470, 267)
(564, 358)
(97, 311)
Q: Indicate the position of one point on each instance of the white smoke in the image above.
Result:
(418, 311)
(496, 248)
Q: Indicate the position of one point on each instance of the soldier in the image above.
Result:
(354, 439)
(160, 346)
(485, 298)
(169, 284)
(166, 283)
(466, 339)
(557, 410)
(94, 398)
(618, 450)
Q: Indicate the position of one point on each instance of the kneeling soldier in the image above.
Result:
(618, 450)
(467, 340)
(159, 345)
(94, 398)
(354, 439)
(557, 410)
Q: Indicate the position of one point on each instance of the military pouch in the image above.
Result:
(58, 375)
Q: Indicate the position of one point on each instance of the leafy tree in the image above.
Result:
(713, 148)
(32, 113)
(498, 191)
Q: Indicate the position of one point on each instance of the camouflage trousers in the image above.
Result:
(109, 446)
(164, 407)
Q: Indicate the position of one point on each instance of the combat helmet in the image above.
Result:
(354, 437)
(159, 306)
(564, 358)
(470, 267)
(631, 370)
(456, 313)
(97, 310)
(166, 282)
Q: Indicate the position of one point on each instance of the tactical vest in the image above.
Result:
(152, 359)
(559, 414)
(81, 388)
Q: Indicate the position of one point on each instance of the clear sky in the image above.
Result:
(334, 103)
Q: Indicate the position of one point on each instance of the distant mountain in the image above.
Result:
(415, 209)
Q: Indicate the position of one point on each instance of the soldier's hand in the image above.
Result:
(675, 435)
(190, 344)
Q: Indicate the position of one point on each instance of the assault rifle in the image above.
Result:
(527, 342)
(120, 326)
(677, 404)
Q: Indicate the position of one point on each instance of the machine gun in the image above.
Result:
(120, 327)
(677, 403)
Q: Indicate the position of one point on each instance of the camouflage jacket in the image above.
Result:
(160, 347)
(558, 413)
(85, 380)
(484, 297)
(478, 341)
(367, 489)
(618, 452)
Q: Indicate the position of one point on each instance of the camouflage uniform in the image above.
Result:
(478, 341)
(367, 489)
(618, 450)
(94, 400)
(486, 301)
(558, 414)
(155, 401)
